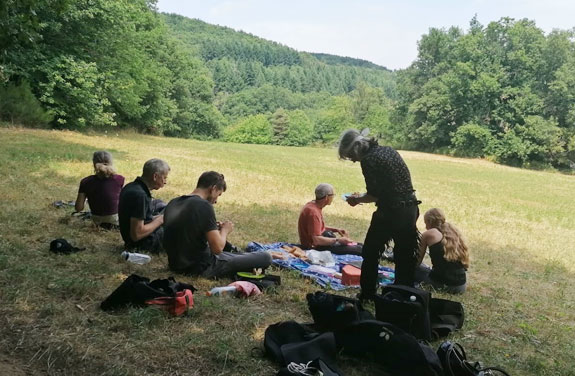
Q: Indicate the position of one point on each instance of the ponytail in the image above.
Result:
(104, 171)
(103, 164)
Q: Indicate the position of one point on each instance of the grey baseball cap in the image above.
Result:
(323, 190)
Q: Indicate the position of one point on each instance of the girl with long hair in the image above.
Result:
(102, 190)
(448, 252)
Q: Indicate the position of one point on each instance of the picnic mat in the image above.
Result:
(323, 275)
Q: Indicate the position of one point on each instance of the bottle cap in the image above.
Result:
(412, 298)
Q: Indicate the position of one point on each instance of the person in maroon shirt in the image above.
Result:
(102, 190)
(388, 184)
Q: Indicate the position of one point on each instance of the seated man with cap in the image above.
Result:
(314, 234)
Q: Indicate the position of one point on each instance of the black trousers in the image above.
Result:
(339, 249)
(151, 243)
(386, 224)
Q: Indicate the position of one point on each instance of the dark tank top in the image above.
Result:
(451, 273)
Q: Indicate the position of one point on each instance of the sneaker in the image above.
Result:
(388, 254)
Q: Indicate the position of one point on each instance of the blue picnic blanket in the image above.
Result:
(386, 275)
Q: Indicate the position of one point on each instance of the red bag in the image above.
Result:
(174, 305)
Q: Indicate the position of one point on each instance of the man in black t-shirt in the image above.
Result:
(139, 226)
(196, 243)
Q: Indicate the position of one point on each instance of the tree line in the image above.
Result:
(505, 91)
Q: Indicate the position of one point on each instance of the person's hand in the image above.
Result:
(343, 233)
(227, 226)
(344, 240)
(159, 218)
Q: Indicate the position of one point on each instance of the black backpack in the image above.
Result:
(289, 342)
(332, 312)
(416, 312)
(446, 316)
(396, 350)
(405, 307)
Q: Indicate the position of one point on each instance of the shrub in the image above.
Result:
(471, 140)
(18, 105)
(537, 142)
(254, 129)
(298, 129)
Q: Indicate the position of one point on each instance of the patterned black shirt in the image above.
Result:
(386, 174)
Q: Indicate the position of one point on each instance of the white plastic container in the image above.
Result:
(136, 258)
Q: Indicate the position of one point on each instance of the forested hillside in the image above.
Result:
(270, 93)
(504, 91)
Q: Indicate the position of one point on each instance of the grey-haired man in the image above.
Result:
(140, 224)
(314, 234)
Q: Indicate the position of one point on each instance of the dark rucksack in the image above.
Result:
(332, 312)
(289, 342)
(446, 316)
(393, 348)
(405, 307)
(417, 313)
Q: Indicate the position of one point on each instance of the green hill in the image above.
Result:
(239, 60)
(346, 60)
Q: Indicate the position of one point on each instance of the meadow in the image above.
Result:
(520, 303)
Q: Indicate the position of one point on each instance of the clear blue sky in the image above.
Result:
(385, 32)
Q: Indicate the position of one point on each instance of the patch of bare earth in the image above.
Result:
(10, 366)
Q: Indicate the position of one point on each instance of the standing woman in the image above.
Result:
(102, 191)
(448, 252)
(388, 184)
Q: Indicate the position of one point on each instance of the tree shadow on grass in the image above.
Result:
(519, 308)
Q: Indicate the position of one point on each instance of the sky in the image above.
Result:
(384, 32)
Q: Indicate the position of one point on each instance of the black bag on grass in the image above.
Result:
(135, 290)
(446, 316)
(331, 312)
(289, 342)
(396, 350)
(405, 307)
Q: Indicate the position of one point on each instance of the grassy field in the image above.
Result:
(520, 303)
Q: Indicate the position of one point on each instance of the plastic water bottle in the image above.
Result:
(223, 290)
(136, 258)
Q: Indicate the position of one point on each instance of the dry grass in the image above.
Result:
(519, 224)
